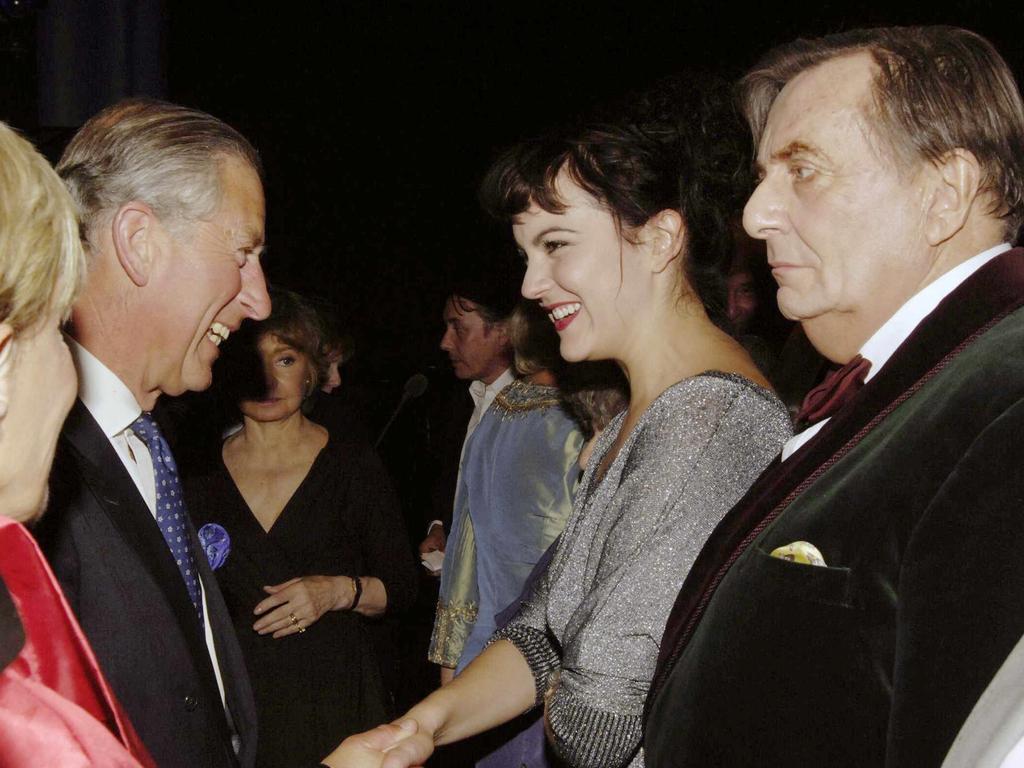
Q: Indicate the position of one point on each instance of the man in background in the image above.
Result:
(477, 342)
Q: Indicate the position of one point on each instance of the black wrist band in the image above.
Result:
(358, 583)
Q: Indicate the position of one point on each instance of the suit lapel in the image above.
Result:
(116, 495)
(986, 297)
(234, 675)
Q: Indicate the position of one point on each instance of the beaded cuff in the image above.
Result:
(536, 649)
(584, 736)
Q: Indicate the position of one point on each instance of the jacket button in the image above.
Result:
(191, 703)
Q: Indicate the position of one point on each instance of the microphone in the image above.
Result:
(415, 386)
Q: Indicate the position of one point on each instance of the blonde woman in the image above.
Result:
(56, 707)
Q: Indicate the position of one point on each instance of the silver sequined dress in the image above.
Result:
(596, 619)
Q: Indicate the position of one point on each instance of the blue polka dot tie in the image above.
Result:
(170, 506)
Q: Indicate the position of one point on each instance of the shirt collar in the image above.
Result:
(887, 339)
(105, 396)
(481, 391)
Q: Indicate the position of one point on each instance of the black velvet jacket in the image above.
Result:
(914, 494)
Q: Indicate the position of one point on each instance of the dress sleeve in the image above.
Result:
(385, 544)
(673, 491)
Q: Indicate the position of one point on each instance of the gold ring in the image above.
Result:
(292, 617)
(301, 630)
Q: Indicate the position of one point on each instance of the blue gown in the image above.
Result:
(513, 498)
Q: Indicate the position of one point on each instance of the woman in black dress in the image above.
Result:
(317, 550)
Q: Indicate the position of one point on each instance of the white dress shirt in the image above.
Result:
(114, 408)
(887, 339)
(483, 395)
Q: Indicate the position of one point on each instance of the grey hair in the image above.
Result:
(936, 89)
(164, 155)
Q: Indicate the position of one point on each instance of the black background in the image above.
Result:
(376, 120)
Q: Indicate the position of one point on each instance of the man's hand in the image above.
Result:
(395, 745)
(434, 542)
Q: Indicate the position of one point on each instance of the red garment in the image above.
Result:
(56, 708)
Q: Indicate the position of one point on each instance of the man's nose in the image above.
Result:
(446, 340)
(764, 214)
(253, 296)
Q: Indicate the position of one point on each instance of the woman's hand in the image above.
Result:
(395, 745)
(297, 603)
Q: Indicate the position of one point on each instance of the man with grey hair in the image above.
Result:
(172, 209)
(853, 606)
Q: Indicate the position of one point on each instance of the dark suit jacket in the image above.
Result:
(915, 496)
(124, 586)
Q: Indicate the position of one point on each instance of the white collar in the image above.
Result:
(106, 397)
(481, 391)
(887, 339)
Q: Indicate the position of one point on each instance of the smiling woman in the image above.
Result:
(624, 227)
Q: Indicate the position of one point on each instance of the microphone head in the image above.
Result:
(415, 385)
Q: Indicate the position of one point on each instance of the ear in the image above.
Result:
(134, 230)
(501, 328)
(956, 180)
(663, 236)
(6, 367)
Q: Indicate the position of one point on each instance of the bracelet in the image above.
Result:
(357, 591)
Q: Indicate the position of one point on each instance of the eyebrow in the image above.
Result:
(543, 233)
(277, 345)
(250, 238)
(795, 149)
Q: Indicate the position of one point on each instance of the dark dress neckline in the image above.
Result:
(290, 503)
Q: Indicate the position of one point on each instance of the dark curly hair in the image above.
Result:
(678, 146)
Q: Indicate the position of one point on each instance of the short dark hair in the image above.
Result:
(937, 89)
(679, 146)
(488, 275)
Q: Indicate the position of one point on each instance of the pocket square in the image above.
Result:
(216, 544)
(799, 552)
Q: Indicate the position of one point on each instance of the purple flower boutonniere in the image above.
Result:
(216, 544)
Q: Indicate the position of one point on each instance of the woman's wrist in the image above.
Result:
(357, 592)
(349, 591)
(429, 717)
(343, 593)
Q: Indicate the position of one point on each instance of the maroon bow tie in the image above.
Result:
(838, 388)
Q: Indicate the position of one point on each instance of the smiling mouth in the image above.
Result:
(218, 332)
(563, 314)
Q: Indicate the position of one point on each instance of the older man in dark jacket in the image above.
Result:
(854, 605)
